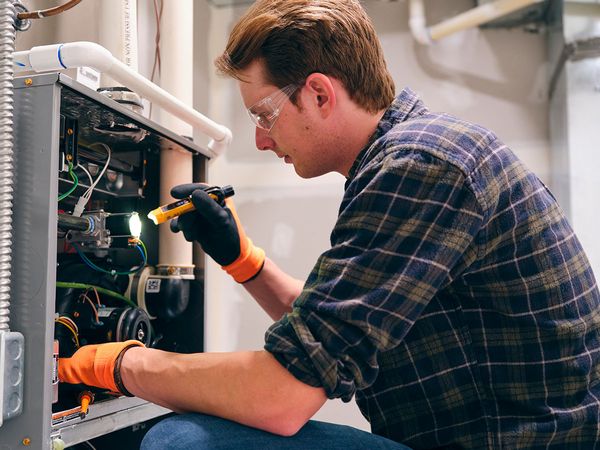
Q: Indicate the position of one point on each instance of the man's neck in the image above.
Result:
(358, 132)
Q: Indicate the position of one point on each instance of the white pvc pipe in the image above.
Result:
(117, 32)
(176, 77)
(89, 54)
(472, 18)
(417, 22)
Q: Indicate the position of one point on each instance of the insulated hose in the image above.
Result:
(7, 47)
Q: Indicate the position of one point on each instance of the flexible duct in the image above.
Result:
(7, 47)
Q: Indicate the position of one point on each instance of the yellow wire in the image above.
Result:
(70, 328)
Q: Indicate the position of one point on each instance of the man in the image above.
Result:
(455, 302)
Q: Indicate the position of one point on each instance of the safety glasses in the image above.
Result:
(265, 112)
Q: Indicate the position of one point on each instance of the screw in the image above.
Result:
(141, 335)
(28, 82)
(69, 131)
(26, 441)
(76, 314)
(69, 157)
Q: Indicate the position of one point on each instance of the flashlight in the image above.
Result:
(179, 207)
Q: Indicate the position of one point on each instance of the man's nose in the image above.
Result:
(263, 141)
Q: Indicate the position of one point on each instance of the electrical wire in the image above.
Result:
(85, 297)
(158, 11)
(71, 326)
(97, 296)
(85, 198)
(101, 290)
(40, 14)
(141, 243)
(75, 179)
(79, 166)
(90, 445)
(108, 155)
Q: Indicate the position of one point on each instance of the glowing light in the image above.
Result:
(135, 225)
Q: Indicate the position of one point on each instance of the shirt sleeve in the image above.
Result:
(402, 234)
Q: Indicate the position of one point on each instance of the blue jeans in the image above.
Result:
(198, 432)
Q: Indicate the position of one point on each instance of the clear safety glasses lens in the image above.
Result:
(265, 112)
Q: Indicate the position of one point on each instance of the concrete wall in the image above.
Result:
(497, 78)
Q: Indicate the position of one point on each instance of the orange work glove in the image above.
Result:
(251, 259)
(218, 230)
(97, 365)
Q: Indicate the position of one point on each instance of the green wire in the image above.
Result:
(75, 183)
(67, 285)
(143, 246)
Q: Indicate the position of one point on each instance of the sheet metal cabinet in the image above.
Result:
(39, 102)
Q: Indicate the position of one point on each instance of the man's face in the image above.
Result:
(293, 134)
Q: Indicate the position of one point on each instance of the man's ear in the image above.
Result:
(322, 93)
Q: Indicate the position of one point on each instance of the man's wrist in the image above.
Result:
(122, 372)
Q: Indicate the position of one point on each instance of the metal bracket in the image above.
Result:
(21, 24)
(12, 362)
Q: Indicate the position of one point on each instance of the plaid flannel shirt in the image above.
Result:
(455, 302)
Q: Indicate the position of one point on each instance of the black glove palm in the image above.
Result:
(211, 225)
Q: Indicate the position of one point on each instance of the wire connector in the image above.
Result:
(80, 206)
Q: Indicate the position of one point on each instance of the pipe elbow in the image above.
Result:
(218, 146)
(420, 31)
(88, 54)
(65, 56)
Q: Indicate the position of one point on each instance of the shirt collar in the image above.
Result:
(404, 106)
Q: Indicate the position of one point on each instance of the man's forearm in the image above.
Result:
(250, 388)
(274, 290)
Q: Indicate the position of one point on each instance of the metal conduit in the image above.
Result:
(7, 47)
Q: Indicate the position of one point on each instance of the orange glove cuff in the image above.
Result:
(248, 264)
(251, 259)
(94, 365)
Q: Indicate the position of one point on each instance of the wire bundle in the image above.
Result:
(68, 323)
(85, 198)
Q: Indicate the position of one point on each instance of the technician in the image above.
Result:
(455, 304)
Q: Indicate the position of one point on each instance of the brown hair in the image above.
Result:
(295, 38)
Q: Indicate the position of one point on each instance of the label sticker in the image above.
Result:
(153, 285)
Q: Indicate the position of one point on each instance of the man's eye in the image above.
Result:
(263, 119)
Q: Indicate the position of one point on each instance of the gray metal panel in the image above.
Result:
(36, 132)
(37, 111)
(107, 417)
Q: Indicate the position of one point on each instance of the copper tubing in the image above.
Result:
(47, 12)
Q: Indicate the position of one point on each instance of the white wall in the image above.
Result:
(496, 78)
